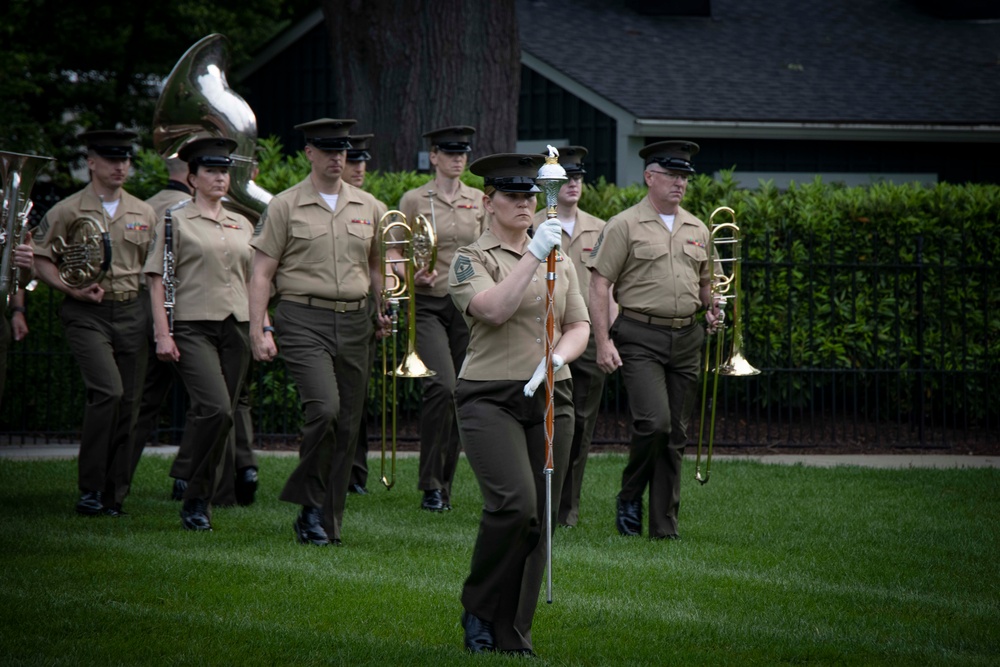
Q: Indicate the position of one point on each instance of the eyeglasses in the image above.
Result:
(683, 178)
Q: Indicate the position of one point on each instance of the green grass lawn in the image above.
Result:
(778, 565)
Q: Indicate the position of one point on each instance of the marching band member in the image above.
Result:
(315, 241)
(580, 232)
(656, 256)
(455, 211)
(355, 169)
(104, 320)
(499, 285)
(209, 343)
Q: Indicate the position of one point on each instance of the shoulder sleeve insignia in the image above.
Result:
(463, 268)
(43, 228)
(259, 227)
(597, 246)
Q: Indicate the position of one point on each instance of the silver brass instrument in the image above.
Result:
(418, 247)
(169, 270)
(725, 254)
(18, 174)
(196, 102)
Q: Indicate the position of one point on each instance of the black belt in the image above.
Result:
(335, 306)
(669, 322)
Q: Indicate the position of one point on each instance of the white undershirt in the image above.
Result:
(111, 207)
(668, 220)
(568, 226)
(331, 200)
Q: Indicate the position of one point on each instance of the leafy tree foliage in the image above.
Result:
(66, 66)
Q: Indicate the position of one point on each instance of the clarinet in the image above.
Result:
(169, 280)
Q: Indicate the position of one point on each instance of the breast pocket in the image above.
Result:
(360, 237)
(310, 242)
(137, 245)
(652, 260)
(694, 257)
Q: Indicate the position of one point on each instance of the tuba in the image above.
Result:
(418, 247)
(196, 102)
(18, 174)
(725, 254)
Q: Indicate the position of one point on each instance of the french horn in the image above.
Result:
(83, 255)
(197, 101)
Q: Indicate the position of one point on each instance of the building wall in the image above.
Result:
(546, 112)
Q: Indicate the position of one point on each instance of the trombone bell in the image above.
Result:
(412, 366)
(738, 366)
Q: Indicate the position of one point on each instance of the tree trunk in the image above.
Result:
(404, 67)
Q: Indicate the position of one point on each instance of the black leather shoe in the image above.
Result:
(115, 511)
(478, 634)
(194, 515)
(358, 489)
(246, 486)
(180, 486)
(433, 502)
(629, 519)
(520, 652)
(90, 504)
(309, 527)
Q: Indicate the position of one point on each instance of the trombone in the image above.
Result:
(415, 247)
(725, 254)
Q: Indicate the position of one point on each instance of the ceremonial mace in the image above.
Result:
(551, 176)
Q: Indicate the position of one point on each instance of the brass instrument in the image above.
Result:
(725, 254)
(418, 248)
(18, 174)
(83, 256)
(196, 102)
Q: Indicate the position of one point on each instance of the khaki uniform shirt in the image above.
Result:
(131, 232)
(166, 198)
(320, 253)
(458, 223)
(654, 271)
(212, 262)
(585, 233)
(512, 350)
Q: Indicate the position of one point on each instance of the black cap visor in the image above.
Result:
(114, 152)
(522, 184)
(358, 156)
(330, 144)
(454, 147)
(213, 161)
(672, 163)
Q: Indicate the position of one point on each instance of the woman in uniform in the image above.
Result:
(499, 285)
(210, 342)
(455, 211)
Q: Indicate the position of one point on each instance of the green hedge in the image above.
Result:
(885, 293)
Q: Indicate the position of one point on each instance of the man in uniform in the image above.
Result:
(354, 173)
(580, 232)
(656, 256)
(315, 241)
(105, 322)
(455, 212)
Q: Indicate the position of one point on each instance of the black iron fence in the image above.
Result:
(894, 343)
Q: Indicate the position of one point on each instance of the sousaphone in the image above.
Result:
(196, 102)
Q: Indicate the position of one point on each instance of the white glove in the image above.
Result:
(547, 236)
(539, 376)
